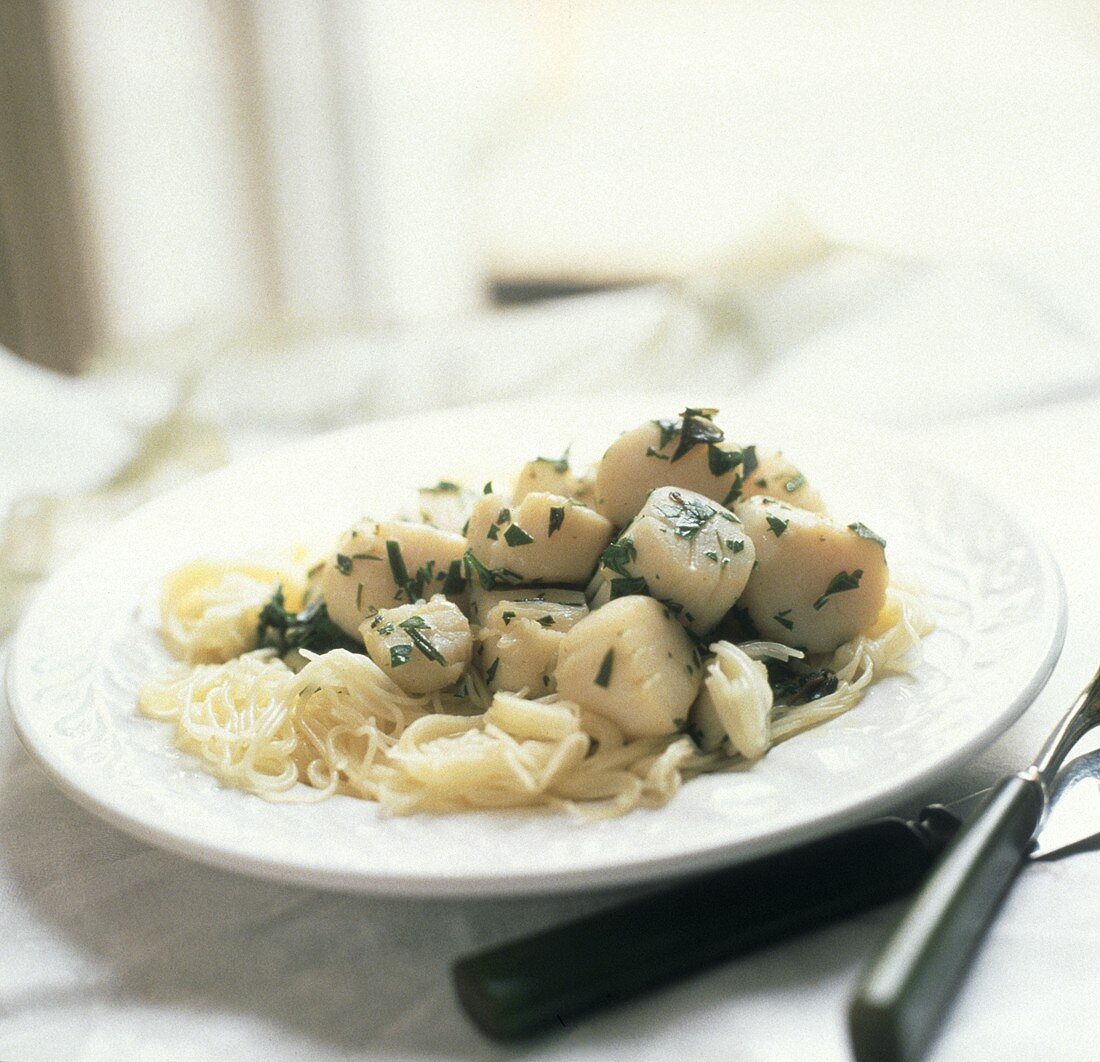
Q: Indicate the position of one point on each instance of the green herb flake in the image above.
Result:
(689, 517)
(711, 555)
(839, 584)
(679, 722)
(603, 676)
(625, 586)
(557, 518)
(619, 554)
(312, 628)
(343, 564)
(697, 429)
(359, 598)
(558, 464)
(489, 578)
(721, 461)
(546, 621)
(777, 525)
(507, 617)
(738, 546)
(650, 452)
(865, 532)
(797, 483)
(668, 429)
(735, 490)
(444, 486)
(453, 582)
(414, 623)
(420, 640)
(781, 618)
(516, 536)
(504, 516)
(493, 533)
(488, 488)
(491, 671)
(749, 461)
(397, 563)
(399, 654)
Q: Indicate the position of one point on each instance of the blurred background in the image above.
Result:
(227, 223)
(346, 163)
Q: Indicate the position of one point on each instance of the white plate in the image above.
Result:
(86, 645)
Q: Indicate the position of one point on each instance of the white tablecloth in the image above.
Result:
(115, 950)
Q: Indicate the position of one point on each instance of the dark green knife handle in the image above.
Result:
(549, 979)
(896, 1009)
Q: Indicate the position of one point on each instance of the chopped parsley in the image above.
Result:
(343, 564)
(399, 654)
(397, 564)
(749, 461)
(489, 578)
(546, 621)
(689, 517)
(865, 532)
(737, 546)
(507, 617)
(781, 618)
(444, 486)
(312, 628)
(421, 641)
(619, 554)
(493, 533)
(721, 461)
(516, 536)
(603, 676)
(794, 685)
(453, 581)
(777, 525)
(558, 464)
(735, 490)
(413, 623)
(491, 671)
(488, 488)
(624, 586)
(650, 452)
(669, 429)
(839, 583)
(557, 518)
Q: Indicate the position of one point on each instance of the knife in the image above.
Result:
(547, 980)
(896, 1009)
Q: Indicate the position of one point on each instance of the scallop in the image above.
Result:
(557, 600)
(547, 475)
(423, 647)
(816, 583)
(655, 454)
(447, 505)
(773, 476)
(518, 642)
(379, 565)
(546, 538)
(632, 662)
(687, 551)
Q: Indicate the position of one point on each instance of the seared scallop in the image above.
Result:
(632, 662)
(690, 452)
(379, 565)
(816, 583)
(687, 551)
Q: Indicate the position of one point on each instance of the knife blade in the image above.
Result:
(1072, 821)
(546, 980)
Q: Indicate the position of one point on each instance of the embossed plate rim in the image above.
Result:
(183, 810)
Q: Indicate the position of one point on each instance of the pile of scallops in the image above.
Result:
(608, 587)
